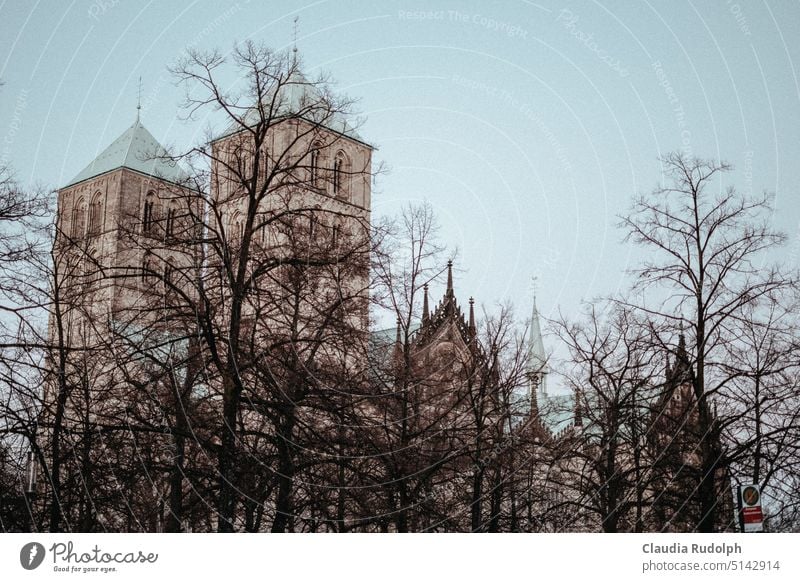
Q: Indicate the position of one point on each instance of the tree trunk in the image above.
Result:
(284, 509)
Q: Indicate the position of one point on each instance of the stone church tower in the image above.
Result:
(124, 194)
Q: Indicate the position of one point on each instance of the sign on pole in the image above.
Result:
(751, 518)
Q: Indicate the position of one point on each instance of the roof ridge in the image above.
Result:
(123, 153)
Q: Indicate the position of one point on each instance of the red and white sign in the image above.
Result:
(750, 506)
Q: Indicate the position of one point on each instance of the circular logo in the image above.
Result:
(31, 555)
(750, 495)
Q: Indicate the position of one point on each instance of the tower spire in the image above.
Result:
(139, 100)
(537, 358)
(294, 40)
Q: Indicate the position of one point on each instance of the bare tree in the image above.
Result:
(707, 247)
(285, 241)
(611, 366)
(761, 421)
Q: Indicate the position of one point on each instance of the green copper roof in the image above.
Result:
(136, 149)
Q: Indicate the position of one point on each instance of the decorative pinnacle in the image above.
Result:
(578, 409)
(425, 311)
(450, 277)
(472, 316)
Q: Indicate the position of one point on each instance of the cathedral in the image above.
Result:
(228, 304)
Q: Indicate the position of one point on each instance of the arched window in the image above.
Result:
(73, 222)
(236, 227)
(79, 219)
(263, 166)
(340, 174)
(147, 267)
(168, 274)
(148, 214)
(96, 214)
(314, 165)
(169, 227)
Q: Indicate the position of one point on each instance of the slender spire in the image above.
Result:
(139, 101)
(450, 278)
(294, 40)
(472, 329)
(537, 358)
(426, 316)
(398, 345)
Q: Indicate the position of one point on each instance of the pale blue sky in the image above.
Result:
(527, 125)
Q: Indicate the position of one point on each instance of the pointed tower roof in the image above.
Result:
(136, 149)
(537, 357)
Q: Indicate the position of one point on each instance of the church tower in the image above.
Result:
(537, 364)
(126, 195)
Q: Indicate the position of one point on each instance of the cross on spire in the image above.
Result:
(294, 41)
(139, 100)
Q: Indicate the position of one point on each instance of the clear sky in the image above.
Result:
(527, 125)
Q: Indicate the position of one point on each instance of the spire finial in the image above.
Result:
(450, 277)
(139, 100)
(294, 41)
(472, 328)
